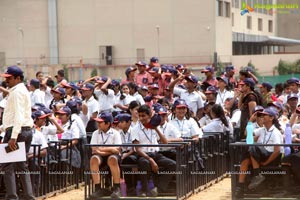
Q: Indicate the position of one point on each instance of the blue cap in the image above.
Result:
(71, 103)
(64, 110)
(130, 69)
(12, 71)
(87, 86)
(248, 81)
(59, 90)
(77, 99)
(192, 78)
(269, 111)
(180, 67)
(210, 89)
(35, 82)
(180, 103)
(115, 82)
(164, 68)
(266, 85)
(154, 59)
(154, 70)
(160, 109)
(229, 68)
(224, 79)
(208, 69)
(144, 87)
(155, 120)
(292, 96)
(293, 80)
(276, 104)
(141, 63)
(123, 117)
(38, 106)
(46, 110)
(258, 109)
(102, 79)
(104, 117)
(39, 114)
(154, 86)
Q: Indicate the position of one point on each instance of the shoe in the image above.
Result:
(256, 181)
(143, 194)
(239, 192)
(116, 193)
(154, 192)
(97, 194)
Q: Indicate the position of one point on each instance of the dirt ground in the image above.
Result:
(219, 191)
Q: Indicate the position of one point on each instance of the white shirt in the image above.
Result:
(80, 125)
(216, 125)
(271, 136)
(112, 136)
(222, 96)
(38, 139)
(72, 133)
(48, 97)
(126, 139)
(187, 127)
(37, 96)
(204, 120)
(236, 117)
(139, 98)
(106, 102)
(193, 100)
(49, 132)
(124, 102)
(170, 132)
(92, 105)
(17, 112)
(145, 136)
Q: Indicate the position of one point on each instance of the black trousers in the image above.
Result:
(165, 165)
(10, 169)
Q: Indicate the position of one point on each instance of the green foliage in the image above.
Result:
(94, 72)
(285, 67)
(255, 70)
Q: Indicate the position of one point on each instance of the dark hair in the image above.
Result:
(133, 86)
(218, 110)
(50, 83)
(285, 85)
(279, 86)
(145, 109)
(164, 101)
(133, 105)
(38, 73)
(21, 77)
(122, 97)
(244, 73)
(74, 109)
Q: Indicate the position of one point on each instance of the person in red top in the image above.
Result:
(154, 62)
(143, 77)
(210, 79)
(158, 78)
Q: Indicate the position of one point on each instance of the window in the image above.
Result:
(220, 8)
(270, 26)
(249, 22)
(232, 19)
(260, 24)
(227, 9)
(237, 3)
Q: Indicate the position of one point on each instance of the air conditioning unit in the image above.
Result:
(105, 54)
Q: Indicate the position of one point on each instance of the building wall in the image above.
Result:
(29, 17)
(289, 24)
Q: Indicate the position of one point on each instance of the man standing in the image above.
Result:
(17, 123)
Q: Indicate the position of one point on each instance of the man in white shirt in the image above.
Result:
(17, 123)
(37, 96)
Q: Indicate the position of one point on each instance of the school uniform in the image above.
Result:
(38, 139)
(236, 118)
(124, 102)
(105, 101)
(222, 96)
(204, 120)
(49, 133)
(187, 127)
(79, 124)
(149, 136)
(139, 98)
(216, 125)
(143, 79)
(193, 99)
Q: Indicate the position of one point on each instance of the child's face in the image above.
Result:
(124, 125)
(144, 118)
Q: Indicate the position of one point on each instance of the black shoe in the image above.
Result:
(116, 193)
(239, 192)
(97, 194)
(256, 181)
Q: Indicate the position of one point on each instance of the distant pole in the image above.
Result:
(22, 34)
(157, 31)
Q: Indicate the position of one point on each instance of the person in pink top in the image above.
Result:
(158, 79)
(130, 75)
(143, 77)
